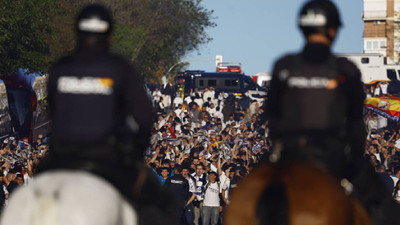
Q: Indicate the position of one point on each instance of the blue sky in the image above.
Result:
(257, 32)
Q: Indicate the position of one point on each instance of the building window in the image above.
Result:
(375, 8)
(212, 83)
(375, 44)
(391, 73)
(231, 83)
(369, 45)
(364, 60)
(383, 44)
(397, 46)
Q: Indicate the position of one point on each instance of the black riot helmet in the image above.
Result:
(317, 16)
(94, 21)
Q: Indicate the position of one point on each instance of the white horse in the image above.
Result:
(68, 198)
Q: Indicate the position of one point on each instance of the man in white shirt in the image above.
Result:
(178, 101)
(196, 91)
(373, 123)
(208, 94)
(211, 109)
(384, 87)
(218, 113)
(198, 100)
(188, 99)
(212, 93)
(189, 209)
(377, 91)
(166, 100)
(200, 180)
(224, 179)
(156, 95)
(222, 95)
(186, 147)
(179, 111)
(211, 203)
(374, 151)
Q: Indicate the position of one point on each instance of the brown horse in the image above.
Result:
(295, 194)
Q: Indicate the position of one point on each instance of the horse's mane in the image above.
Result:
(273, 205)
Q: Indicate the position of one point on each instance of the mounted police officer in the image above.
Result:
(315, 110)
(96, 98)
(101, 114)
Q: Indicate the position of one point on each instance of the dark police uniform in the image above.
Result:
(102, 119)
(316, 94)
(315, 108)
(179, 186)
(97, 99)
(101, 116)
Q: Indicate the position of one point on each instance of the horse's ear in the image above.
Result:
(272, 207)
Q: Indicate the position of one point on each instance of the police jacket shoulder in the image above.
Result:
(64, 60)
(92, 56)
(99, 106)
(349, 69)
(344, 66)
(284, 63)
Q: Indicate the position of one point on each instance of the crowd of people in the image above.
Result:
(383, 141)
(203, 142)
(383, 150)
(19, 162)
(214, 139)
(208, 142)
(380, 89)
(211, 141)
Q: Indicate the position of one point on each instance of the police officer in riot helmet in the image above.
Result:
(314, 93)
(315, 106)
(101, 114)
(96, 99)
(93, 27)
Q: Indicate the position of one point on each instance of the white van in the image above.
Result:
(374, 67)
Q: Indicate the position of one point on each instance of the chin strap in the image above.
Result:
(331, 39)
(327, 35)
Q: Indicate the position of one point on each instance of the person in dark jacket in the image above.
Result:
(179, 186)
(394, 85)
(96, 98)
(315, 106)
(385, 177)
(101, 114)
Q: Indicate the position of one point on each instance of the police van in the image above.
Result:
(374, 67)
(228, 82)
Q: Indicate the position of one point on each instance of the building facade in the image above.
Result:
(381, 28)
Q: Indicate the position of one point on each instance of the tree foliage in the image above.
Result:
(174, 27)
(24, 29)
(154, 34)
